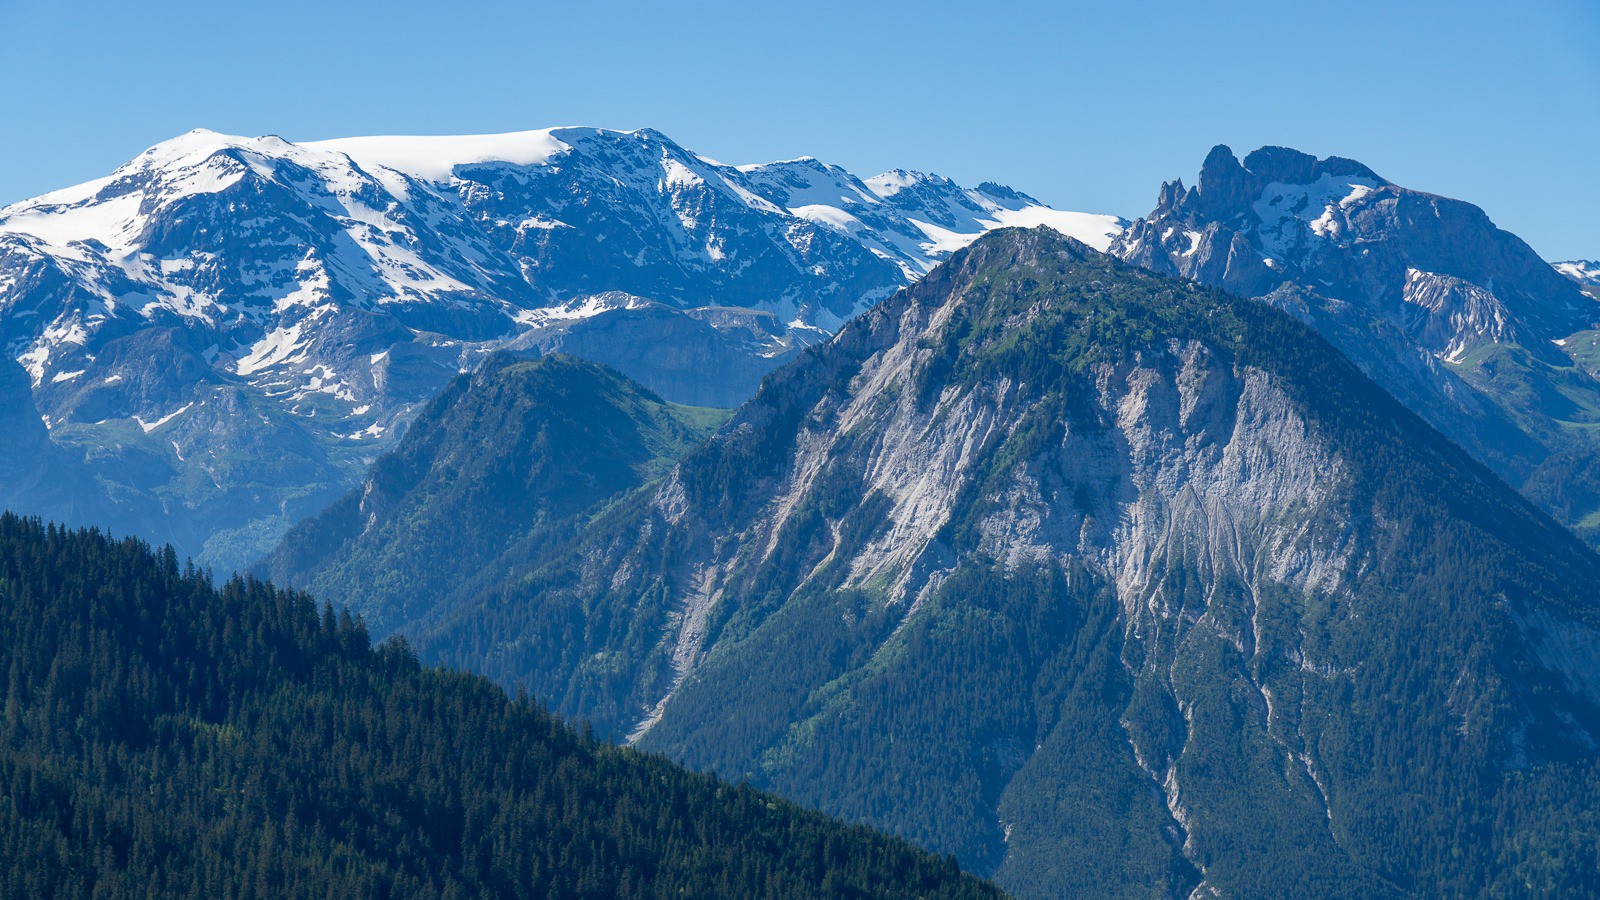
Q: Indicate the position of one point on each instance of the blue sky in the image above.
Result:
(1085, 105)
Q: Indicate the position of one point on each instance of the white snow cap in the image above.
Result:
(1585, 271)
(435, 157)
(894, 181)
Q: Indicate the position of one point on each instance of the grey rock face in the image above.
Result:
(1460, 320)
(35, 474)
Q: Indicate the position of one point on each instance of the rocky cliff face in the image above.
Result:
(324, 290)
(1045, 556)
(1460, 320)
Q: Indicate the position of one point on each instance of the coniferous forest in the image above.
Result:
(164, 737)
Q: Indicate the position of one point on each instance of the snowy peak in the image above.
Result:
(798, 183)
(236, 233)
(468, 235)
(198, 162)
(950, 217)
(1583, 271)
(111, 211)
(894, 181)
(910, 218)
(1586, 272)
(1272, 187)
(937, 195)
(436, 158)
(429, 219)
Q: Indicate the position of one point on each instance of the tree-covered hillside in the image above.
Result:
(162, 737)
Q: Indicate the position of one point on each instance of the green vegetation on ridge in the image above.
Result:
(502, 464)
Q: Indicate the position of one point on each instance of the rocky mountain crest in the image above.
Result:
(1459, 319)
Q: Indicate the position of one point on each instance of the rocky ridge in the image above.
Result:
(1457, 318)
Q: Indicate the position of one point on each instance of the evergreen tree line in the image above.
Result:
(165, 737)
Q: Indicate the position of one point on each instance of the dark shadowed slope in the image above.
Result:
(163, 738)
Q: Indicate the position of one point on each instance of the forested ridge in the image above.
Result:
(504, 462)
(165, 737)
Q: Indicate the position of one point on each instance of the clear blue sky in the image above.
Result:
(1086, 105)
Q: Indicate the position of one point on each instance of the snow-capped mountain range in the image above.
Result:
(227, 329)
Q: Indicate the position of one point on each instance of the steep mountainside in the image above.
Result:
(1104, 582)
(161, 737)
(226, 331)
(1461, 321)
(504, 463)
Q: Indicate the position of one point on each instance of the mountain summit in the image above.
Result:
(1103, 581)
(1334, 222)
